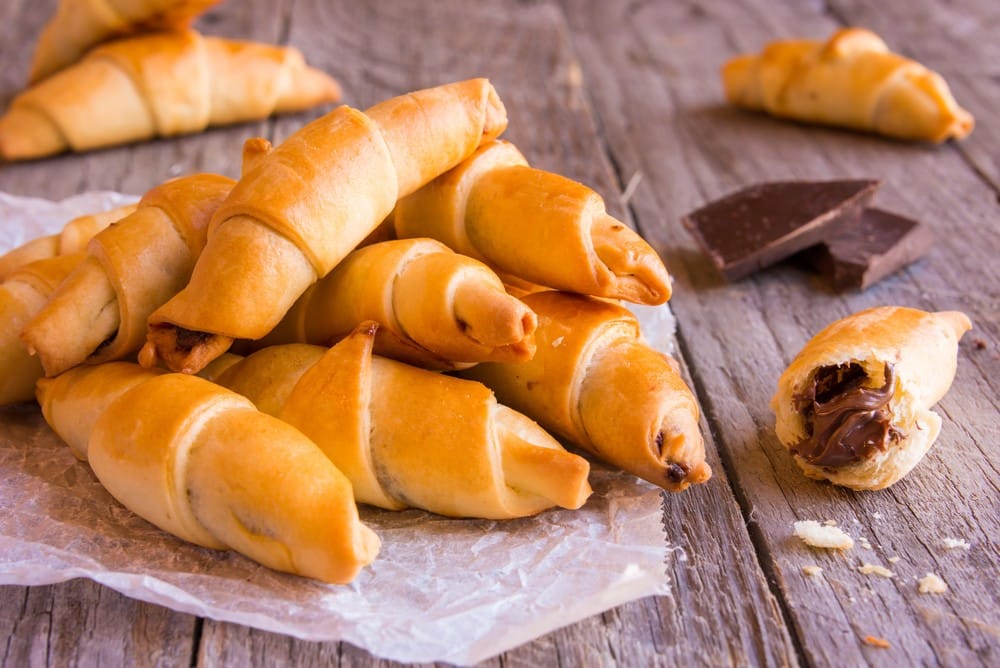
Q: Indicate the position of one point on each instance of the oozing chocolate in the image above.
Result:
(845, 420)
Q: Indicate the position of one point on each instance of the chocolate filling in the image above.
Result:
(845, 420)
(189, 338)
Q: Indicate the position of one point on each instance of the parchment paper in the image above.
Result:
(440, 590)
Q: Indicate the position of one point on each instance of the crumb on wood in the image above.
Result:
(828, 537)
(980, 344)
(875, 641)
(812, 570)
(932, 584)
(875, 569)
(893, 560)
(955, 543)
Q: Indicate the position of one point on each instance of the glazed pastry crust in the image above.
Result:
(435, 308)
(535, 226)
(851, 80)
(79, 25)
(158, 85)
(164, 445)
(407, 437)
(596, 382)
(922, 348)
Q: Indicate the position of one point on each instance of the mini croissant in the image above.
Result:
(202, 463)
(854, 406)
(158, 85)
(79, 25)
(407, 437)
(435, 308)
(99, 312)
(533, 226)
(595, 381)
(852, 80)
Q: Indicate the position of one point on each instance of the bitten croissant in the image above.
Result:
(851, 80)
(73, 238)
(99, 312)
(407, 437)
(854, 406)
(202, 463)
(305, 205)
(158, 85)
(79, 25)
(435, 308)
(596, 382)
(534, 226)
(22, 295)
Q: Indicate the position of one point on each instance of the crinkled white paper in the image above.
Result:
(440, 590)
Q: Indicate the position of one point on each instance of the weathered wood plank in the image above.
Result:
(82, 623)
(658, 98)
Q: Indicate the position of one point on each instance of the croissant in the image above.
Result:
(79, 25)
(71, 239)
(99, 312)
(851, 80)
(407, 437)
(203, 464)
(435, 308)
(596, 382)
(306, 205)
(22, 294)
(854, 406)
(158, 85)
(535, 226)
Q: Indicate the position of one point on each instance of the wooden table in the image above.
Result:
(625, 97)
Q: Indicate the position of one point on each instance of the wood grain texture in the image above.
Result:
(624, 96)
(659, 101)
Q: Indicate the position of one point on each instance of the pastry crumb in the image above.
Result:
(556, 342)
(932, 584)
(955, 544)
(830, 523)
(827, 537)
(812, 570)
(875, 641)
(877, 516)
(874, 569)
(893, 560)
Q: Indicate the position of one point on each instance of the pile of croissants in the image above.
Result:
(391, 307)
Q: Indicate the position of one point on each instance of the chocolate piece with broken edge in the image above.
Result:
(861, 255)
(760, 225)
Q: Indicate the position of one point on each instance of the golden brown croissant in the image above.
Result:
(435, 308)
(202, 463)
(306, 205)
(22, 295)
(73, 238)
(595, 381)
(79, 25)
(851, 80)
(407, 437)
(99, 312)
(535, 226)
(158, 85)
(853, 407)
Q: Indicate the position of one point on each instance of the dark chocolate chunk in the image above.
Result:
(765, 223)
(880, 244)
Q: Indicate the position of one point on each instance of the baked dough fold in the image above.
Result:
(435, 308)
(158, 85)
(202, 463)
(851, 80)
(533, 226)
(407, 437)
(596, 382)
(854, 406)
